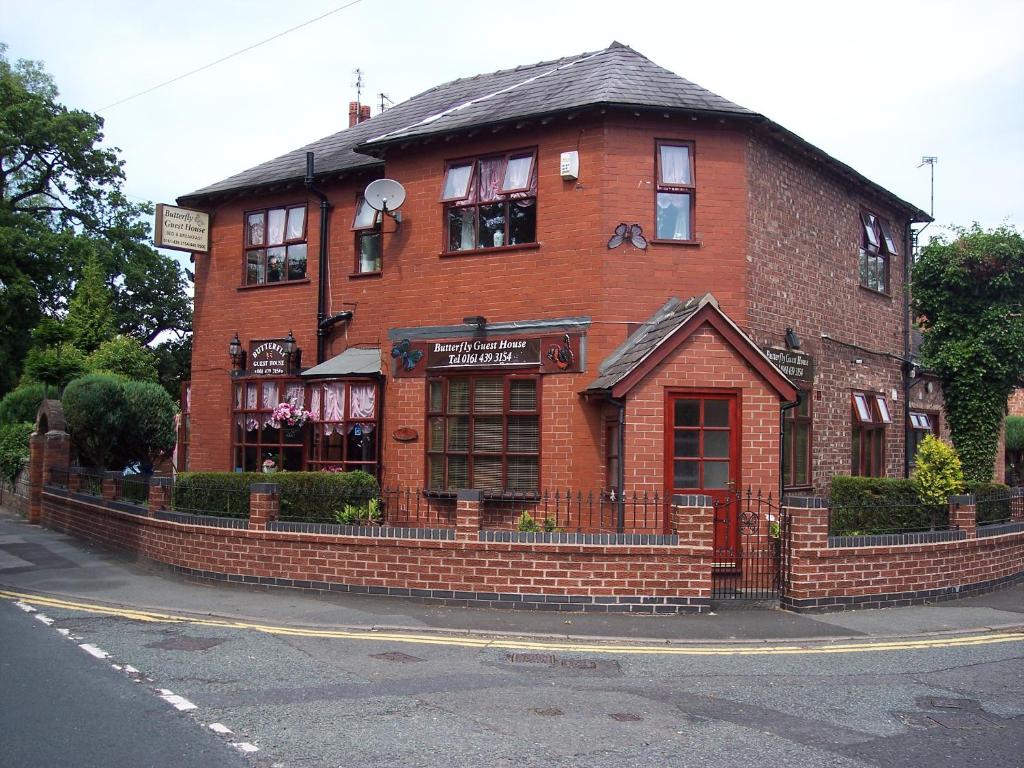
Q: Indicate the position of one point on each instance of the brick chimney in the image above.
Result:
(353, 113)
(364, 113)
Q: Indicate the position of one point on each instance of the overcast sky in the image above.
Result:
(876, 84)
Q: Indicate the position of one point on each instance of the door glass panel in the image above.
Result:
(687, 442)
(716, 474)
(716, 413)
(687, 474)
(716, 445)
(687, 413)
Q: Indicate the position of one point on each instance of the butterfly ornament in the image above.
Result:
(408, 356)
(632, 232)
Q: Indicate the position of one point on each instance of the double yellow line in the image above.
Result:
(820, 647)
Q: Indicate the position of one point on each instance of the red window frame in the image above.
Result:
(242, 443)
(249, 247)
(878, 246)
(323, 453)
(366, 234)
(674, 188)
(800, 417)
(870, 416)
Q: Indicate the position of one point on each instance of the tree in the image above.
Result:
(124, 356)
(969, 295)
(53, 366)
(90, 320)
(60, 205)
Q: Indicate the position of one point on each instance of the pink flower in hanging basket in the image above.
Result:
(286, 414)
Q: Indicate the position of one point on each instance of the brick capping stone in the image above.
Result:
(966, 498)
(264, 504)
(805, 502)
(692, 500)
(469, 494)
(267, 488)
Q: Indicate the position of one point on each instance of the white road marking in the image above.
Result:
(25, 607)
(130, 670)
(43, 618)
(220, 728)
(65, 632)
(92, 650)
(245, 746)
(178, 702)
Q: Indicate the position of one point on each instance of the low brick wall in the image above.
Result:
(826, 577)
(463, 571)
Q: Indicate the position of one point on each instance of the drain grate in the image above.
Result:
(626, 717)
(577, 664)
(187, 643)
(401, 658)
(548, 712)
(530, 658)
(962, 721)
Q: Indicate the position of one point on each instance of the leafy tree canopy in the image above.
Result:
(90, 320)
(61, 204)
(969, 294)
(124, 356)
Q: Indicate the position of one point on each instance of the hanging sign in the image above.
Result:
(795, 364)
(268, 358)
(181, 229)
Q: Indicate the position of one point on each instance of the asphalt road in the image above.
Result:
(354, 701)
(61, 706)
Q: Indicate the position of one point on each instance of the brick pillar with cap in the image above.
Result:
(468, 514)
(159, 494)
(264, 505)
(963, 514)
(36, 449)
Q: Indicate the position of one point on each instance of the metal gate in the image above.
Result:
(751, 548)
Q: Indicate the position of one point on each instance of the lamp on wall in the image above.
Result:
(292, 352)
(237, 355)
(792, 340)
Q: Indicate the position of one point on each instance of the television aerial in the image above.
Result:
(386, 196)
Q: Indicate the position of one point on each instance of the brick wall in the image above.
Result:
(604, 578)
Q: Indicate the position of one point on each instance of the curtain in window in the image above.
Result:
(270, 400)
(334, 407)
(295, 222)
(314, 401)
(675, 165)
(492, 174)
(363, 401)
(251, 422)
(293, 393)
(275, 226)
(517, 171)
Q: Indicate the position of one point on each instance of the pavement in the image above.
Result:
(38, 561)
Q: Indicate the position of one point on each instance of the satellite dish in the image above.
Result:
(384, 195)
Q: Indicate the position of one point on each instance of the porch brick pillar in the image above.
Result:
(693, 519)
(264, 505)
(36, 449)
(808, 521)
(109, 488)
(56, 453)
(963, 514)
(468, 515)
(159, 494)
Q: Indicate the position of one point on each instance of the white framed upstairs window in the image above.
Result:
(675, 191)
(369, 243)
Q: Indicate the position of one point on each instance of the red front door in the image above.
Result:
(702, 456)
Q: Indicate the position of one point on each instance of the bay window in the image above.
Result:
(483, 432)
(258, 441)
(490, 202)
(675, 191)
(275, 245)
(345, 435)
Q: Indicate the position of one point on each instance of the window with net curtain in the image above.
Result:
(675, 192)
(255, 437)
(483, 432)
(344, 434)
(367, 227)
(275, 245)
(490, 202)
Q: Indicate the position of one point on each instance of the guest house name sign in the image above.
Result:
(268, 358)
(181, 229)
(796, 365)
(546, 354)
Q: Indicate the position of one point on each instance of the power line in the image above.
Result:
(230, 55)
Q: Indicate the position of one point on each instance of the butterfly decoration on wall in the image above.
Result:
(561, 356)
(409, 357)
(632, 232)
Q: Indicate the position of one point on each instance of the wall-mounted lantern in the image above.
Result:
(292, 352)
(237, 355)
(792, 340)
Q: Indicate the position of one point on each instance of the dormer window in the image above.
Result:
(877, 246)
(490, 202)
(366, 225)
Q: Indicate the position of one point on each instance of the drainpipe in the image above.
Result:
(620, 479)
(908, 254)
(321, 297)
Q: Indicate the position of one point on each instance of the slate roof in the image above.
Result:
(643, 341)
(616, 76)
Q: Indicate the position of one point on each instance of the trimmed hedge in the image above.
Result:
(14, 448)
(992, 501)
(866, 505)
(21, 404)
(305, 496)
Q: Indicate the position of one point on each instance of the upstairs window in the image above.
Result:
(877, 247)
(490, 202)
(275, 245)
(366, 225)
(922, 424)
(870, 418)
(675, 194)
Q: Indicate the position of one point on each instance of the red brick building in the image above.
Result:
(524, 321)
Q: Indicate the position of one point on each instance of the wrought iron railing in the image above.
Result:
(575, 511)
(1000, 507)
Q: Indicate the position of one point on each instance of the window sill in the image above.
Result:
(279, 284)
(691, 243)
(496, 249)
(365, 275)
(873, 292)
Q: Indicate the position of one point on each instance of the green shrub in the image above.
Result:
(14, 448)
(148, 430)
(862, 505)
(54, 366)
(304, 496)
(365, 514)
(992, 501)
(21, 404)
(124, 356)
(1014, 433)
(527, 524)
(95, 409)
(937, 472)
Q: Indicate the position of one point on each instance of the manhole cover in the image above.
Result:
(961, 721)
(401, 658)
(578, 664)
(939, 702)
(626, 717)
(530, 658)
(548, 712)
(187, 643)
